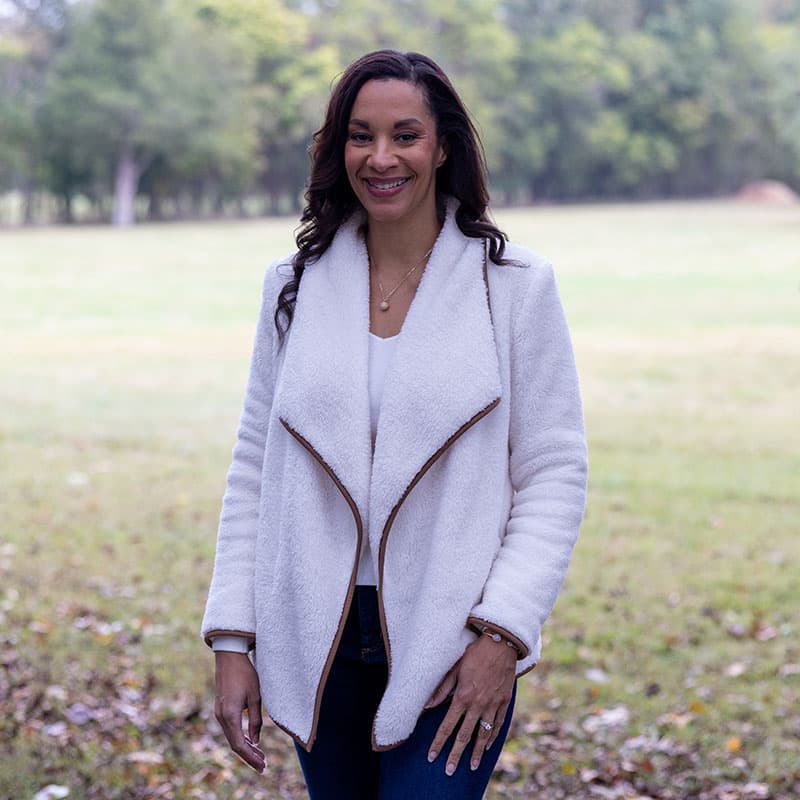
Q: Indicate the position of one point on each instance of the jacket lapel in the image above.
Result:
(323, 392)
(444, 371)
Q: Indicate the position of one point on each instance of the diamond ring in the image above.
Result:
(487, 726)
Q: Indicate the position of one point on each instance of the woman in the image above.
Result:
(410, 469)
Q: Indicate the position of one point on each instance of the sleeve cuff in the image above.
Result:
(245, 637)
(522, 648)
(230, 644)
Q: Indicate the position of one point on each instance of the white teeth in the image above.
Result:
(391, 185)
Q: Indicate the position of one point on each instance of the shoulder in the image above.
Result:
(279, 271)
(277, 274)
(526, 273)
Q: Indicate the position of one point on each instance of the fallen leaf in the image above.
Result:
(766, 633)
(79, 714)
(735, 670)
(145, 757)
(734, 744)
(607, 718)
(52, 792)
(756, 791)
(56, 729)
(676, 718)
(40, 627)
(596, 675)
(56, 692)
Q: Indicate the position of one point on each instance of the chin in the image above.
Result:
(383, 214)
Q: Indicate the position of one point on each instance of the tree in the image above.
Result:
(30, 33)
(468, 38)
(289, 83)
(139, 80)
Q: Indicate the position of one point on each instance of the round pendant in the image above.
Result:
(384, 306)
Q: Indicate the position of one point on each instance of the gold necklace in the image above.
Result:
(384, 304)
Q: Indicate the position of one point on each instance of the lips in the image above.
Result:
(385, 186)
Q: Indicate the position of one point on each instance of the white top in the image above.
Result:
(380, 356)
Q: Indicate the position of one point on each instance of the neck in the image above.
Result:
(396, 247)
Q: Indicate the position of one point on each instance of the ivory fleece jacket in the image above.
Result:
(473, 497)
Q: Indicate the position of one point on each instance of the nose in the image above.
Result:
(382, 157)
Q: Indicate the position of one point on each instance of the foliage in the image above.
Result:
(137, 80)
(212, 103)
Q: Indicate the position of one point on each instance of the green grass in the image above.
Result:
(121, 373)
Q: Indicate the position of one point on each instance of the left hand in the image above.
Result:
(481, 682)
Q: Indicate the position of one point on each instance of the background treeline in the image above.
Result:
(159, 109)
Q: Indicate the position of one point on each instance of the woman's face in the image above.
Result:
(392, 153)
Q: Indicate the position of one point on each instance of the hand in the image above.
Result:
(482, 683)
(237, 689)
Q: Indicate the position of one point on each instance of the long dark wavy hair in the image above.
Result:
(330, 200)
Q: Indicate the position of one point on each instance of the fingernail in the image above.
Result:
(432, 756)
(450, 769)
(474, 764)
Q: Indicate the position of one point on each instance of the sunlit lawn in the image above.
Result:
(122, 367)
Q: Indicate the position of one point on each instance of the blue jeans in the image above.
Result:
(342, 764)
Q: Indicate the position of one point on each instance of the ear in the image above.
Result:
(443, 152)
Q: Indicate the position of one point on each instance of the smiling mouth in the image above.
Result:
(386, 185)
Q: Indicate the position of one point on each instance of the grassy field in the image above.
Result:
(672, 662)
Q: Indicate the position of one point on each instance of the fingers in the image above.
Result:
(447, 726)
(254, 717)
(463, 738)
(498, 723)
(230, 718)
(483, 736)
(463, 717)
(237, 691)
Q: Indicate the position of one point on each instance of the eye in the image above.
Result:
(407, 138)
(359, 137)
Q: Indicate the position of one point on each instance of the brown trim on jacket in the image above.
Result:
(350, 589)
(486, 279)
(221, 632)
(522, 649)
(385, 535)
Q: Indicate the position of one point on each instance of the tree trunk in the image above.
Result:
(126, 182)
(69, 218)
(27, 204)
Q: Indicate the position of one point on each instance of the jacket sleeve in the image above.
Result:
(230, 605)
(548, 471)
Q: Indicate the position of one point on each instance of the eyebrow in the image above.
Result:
(402, 123)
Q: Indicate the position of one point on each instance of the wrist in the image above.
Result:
(486, 631)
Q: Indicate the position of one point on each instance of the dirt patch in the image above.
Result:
(769, 193)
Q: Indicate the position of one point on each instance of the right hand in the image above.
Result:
(237, 689)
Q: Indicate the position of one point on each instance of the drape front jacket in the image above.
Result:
(472, 498)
